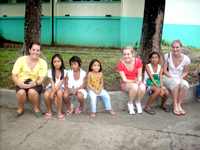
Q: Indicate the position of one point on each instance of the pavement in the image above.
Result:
(162, 131)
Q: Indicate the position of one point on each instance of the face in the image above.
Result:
(154, 59)
(57, 63)
(35, 51)
(74, 65)
(176, 48)
(96, 66)
(127, 55)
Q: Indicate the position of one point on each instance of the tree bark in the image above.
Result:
(152, 30)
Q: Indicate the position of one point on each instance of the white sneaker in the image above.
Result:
(131, 109)
(139, 107)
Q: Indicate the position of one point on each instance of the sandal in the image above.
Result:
(38, 114)
(69, 112)
(93, 115)
(61, 118)
(78, 112)
(166, 109)
(151, 112)
(176, 112)
(111, 112)
(16, 114)
(182, 112)
(48, 115)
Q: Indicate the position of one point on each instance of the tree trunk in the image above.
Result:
(32, 28)
(152, 30)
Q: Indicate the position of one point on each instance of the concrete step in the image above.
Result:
(119, 100)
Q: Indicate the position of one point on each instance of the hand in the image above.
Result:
(96, 92)
(22, 85)
(162, 93)
(32, 84)
(195, 73)
(52, 95)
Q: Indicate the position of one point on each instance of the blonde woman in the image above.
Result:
(130, 70)
(178, 67)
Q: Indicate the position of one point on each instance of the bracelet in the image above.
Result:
(36, 83)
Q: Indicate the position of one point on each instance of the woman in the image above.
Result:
(28, 74)
(178, 66)
(130, 70)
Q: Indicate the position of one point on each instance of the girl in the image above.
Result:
(154, 71)
(28, 74)
(56, 75)
(75, 78)
(95, 86)
(130, 70)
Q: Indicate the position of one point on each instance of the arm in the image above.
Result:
(101, 85)
(18, 83)
(39, 82)
(123, 76)
(185, 72)
(165, 69)
(197, 69)
(139, 76)
(161, 79)
(151, 76)
(66, 85)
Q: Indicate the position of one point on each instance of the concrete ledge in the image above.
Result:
(119, 100)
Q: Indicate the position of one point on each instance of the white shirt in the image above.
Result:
(49, 75)
(72, 81)
(146, 76)
(176, 71)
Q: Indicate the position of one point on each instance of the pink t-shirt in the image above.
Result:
(130, 74)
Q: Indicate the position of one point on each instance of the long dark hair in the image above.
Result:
(92, 62)
(61, 68)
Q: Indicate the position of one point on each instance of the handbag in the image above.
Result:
(156, 78)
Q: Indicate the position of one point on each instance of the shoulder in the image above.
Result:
(42, 61)
(119, 65)
(186, 60)
(138, 62)
(82, 72)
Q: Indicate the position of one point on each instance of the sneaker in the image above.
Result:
(139, 107)
(131, 109)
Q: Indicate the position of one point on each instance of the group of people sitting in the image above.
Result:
(30, 71)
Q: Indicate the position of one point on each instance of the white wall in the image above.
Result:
(182, 12)
(88, 9)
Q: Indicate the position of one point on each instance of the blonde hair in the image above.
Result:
(177, 41)
(129, 48)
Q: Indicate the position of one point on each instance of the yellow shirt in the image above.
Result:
(24, 72)
(95, 81)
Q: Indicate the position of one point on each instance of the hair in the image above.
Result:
(152, 53)
(75, 59)
(92, 62)
(61, 68)
(128, 47)
(177, 41)
(36, 43)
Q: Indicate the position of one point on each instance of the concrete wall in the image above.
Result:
(119, 101)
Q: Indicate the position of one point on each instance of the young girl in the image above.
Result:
(95, 86)
(75, 78)
(56, 86)
(154, 88)
(197, 72)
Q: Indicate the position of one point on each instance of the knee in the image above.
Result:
(21, 93)
(166, 93)
(32, 92)
(134, 87)
(157, 91)
(65, 95)
(46, 95)
(80, 95)
(142, 88)
(59, 93)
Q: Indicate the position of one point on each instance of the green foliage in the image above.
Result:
(165, 42)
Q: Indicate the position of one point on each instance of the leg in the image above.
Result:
(93, 103)
(106, 100)
(198, 95)
(66, 99)
(141, 93)
(132, 89)
(60, 101)
(34, 98)
(156, 92)
(181, 97)
(80, 98)
(21, 99)
(164, 98)
(47, 100)
(175, 93)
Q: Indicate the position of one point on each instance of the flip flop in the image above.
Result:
(61, 118)
(175, 112)
(111, 112)
(166, 109)
(69, 112)
(48, 115)
(78, 112)
(16, 114)
(151, 112)
(38, 114)
(182, 112)
(93, 115)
